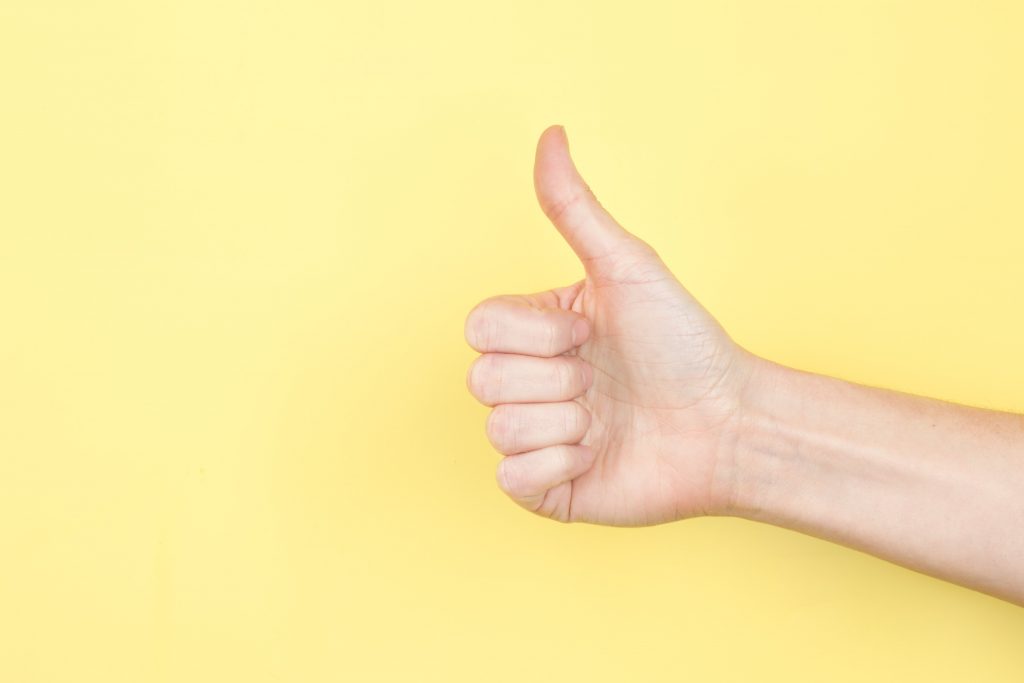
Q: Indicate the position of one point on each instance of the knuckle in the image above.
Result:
(508, 480)
(582, 420)
(565, 460)
(471, 326)
(551, 334)
(566, 374)
(480, 377)
(576, 419)
(555, 210)
(569, 418)
(481, 325)
(501, 429)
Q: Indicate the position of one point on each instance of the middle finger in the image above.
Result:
(495, 378)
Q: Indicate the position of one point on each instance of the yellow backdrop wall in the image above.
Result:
(238, 241)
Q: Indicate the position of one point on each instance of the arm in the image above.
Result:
(933, 486)
(620, 400)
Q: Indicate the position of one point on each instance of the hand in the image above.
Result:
(617, 399)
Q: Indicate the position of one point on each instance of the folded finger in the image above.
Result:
(518, 427)
(508, 324)
(495, 378)
(527, 477)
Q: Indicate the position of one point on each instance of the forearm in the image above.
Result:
(933, 486)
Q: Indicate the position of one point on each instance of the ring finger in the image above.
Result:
(518, 427)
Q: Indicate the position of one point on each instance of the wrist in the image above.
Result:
(729, 489)
(804, 442)
(765, 438)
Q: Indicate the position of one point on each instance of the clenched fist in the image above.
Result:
(617, 399)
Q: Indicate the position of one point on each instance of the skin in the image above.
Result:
(619, 400)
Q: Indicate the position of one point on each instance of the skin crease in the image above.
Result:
(666, 377)
(619, 400)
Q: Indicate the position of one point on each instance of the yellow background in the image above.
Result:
(239, 240)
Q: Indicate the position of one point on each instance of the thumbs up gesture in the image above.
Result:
(617, 399)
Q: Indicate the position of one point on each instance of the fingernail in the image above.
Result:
(580, 328)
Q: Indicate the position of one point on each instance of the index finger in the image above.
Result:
(508, 325)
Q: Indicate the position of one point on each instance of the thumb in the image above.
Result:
(567, 201)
